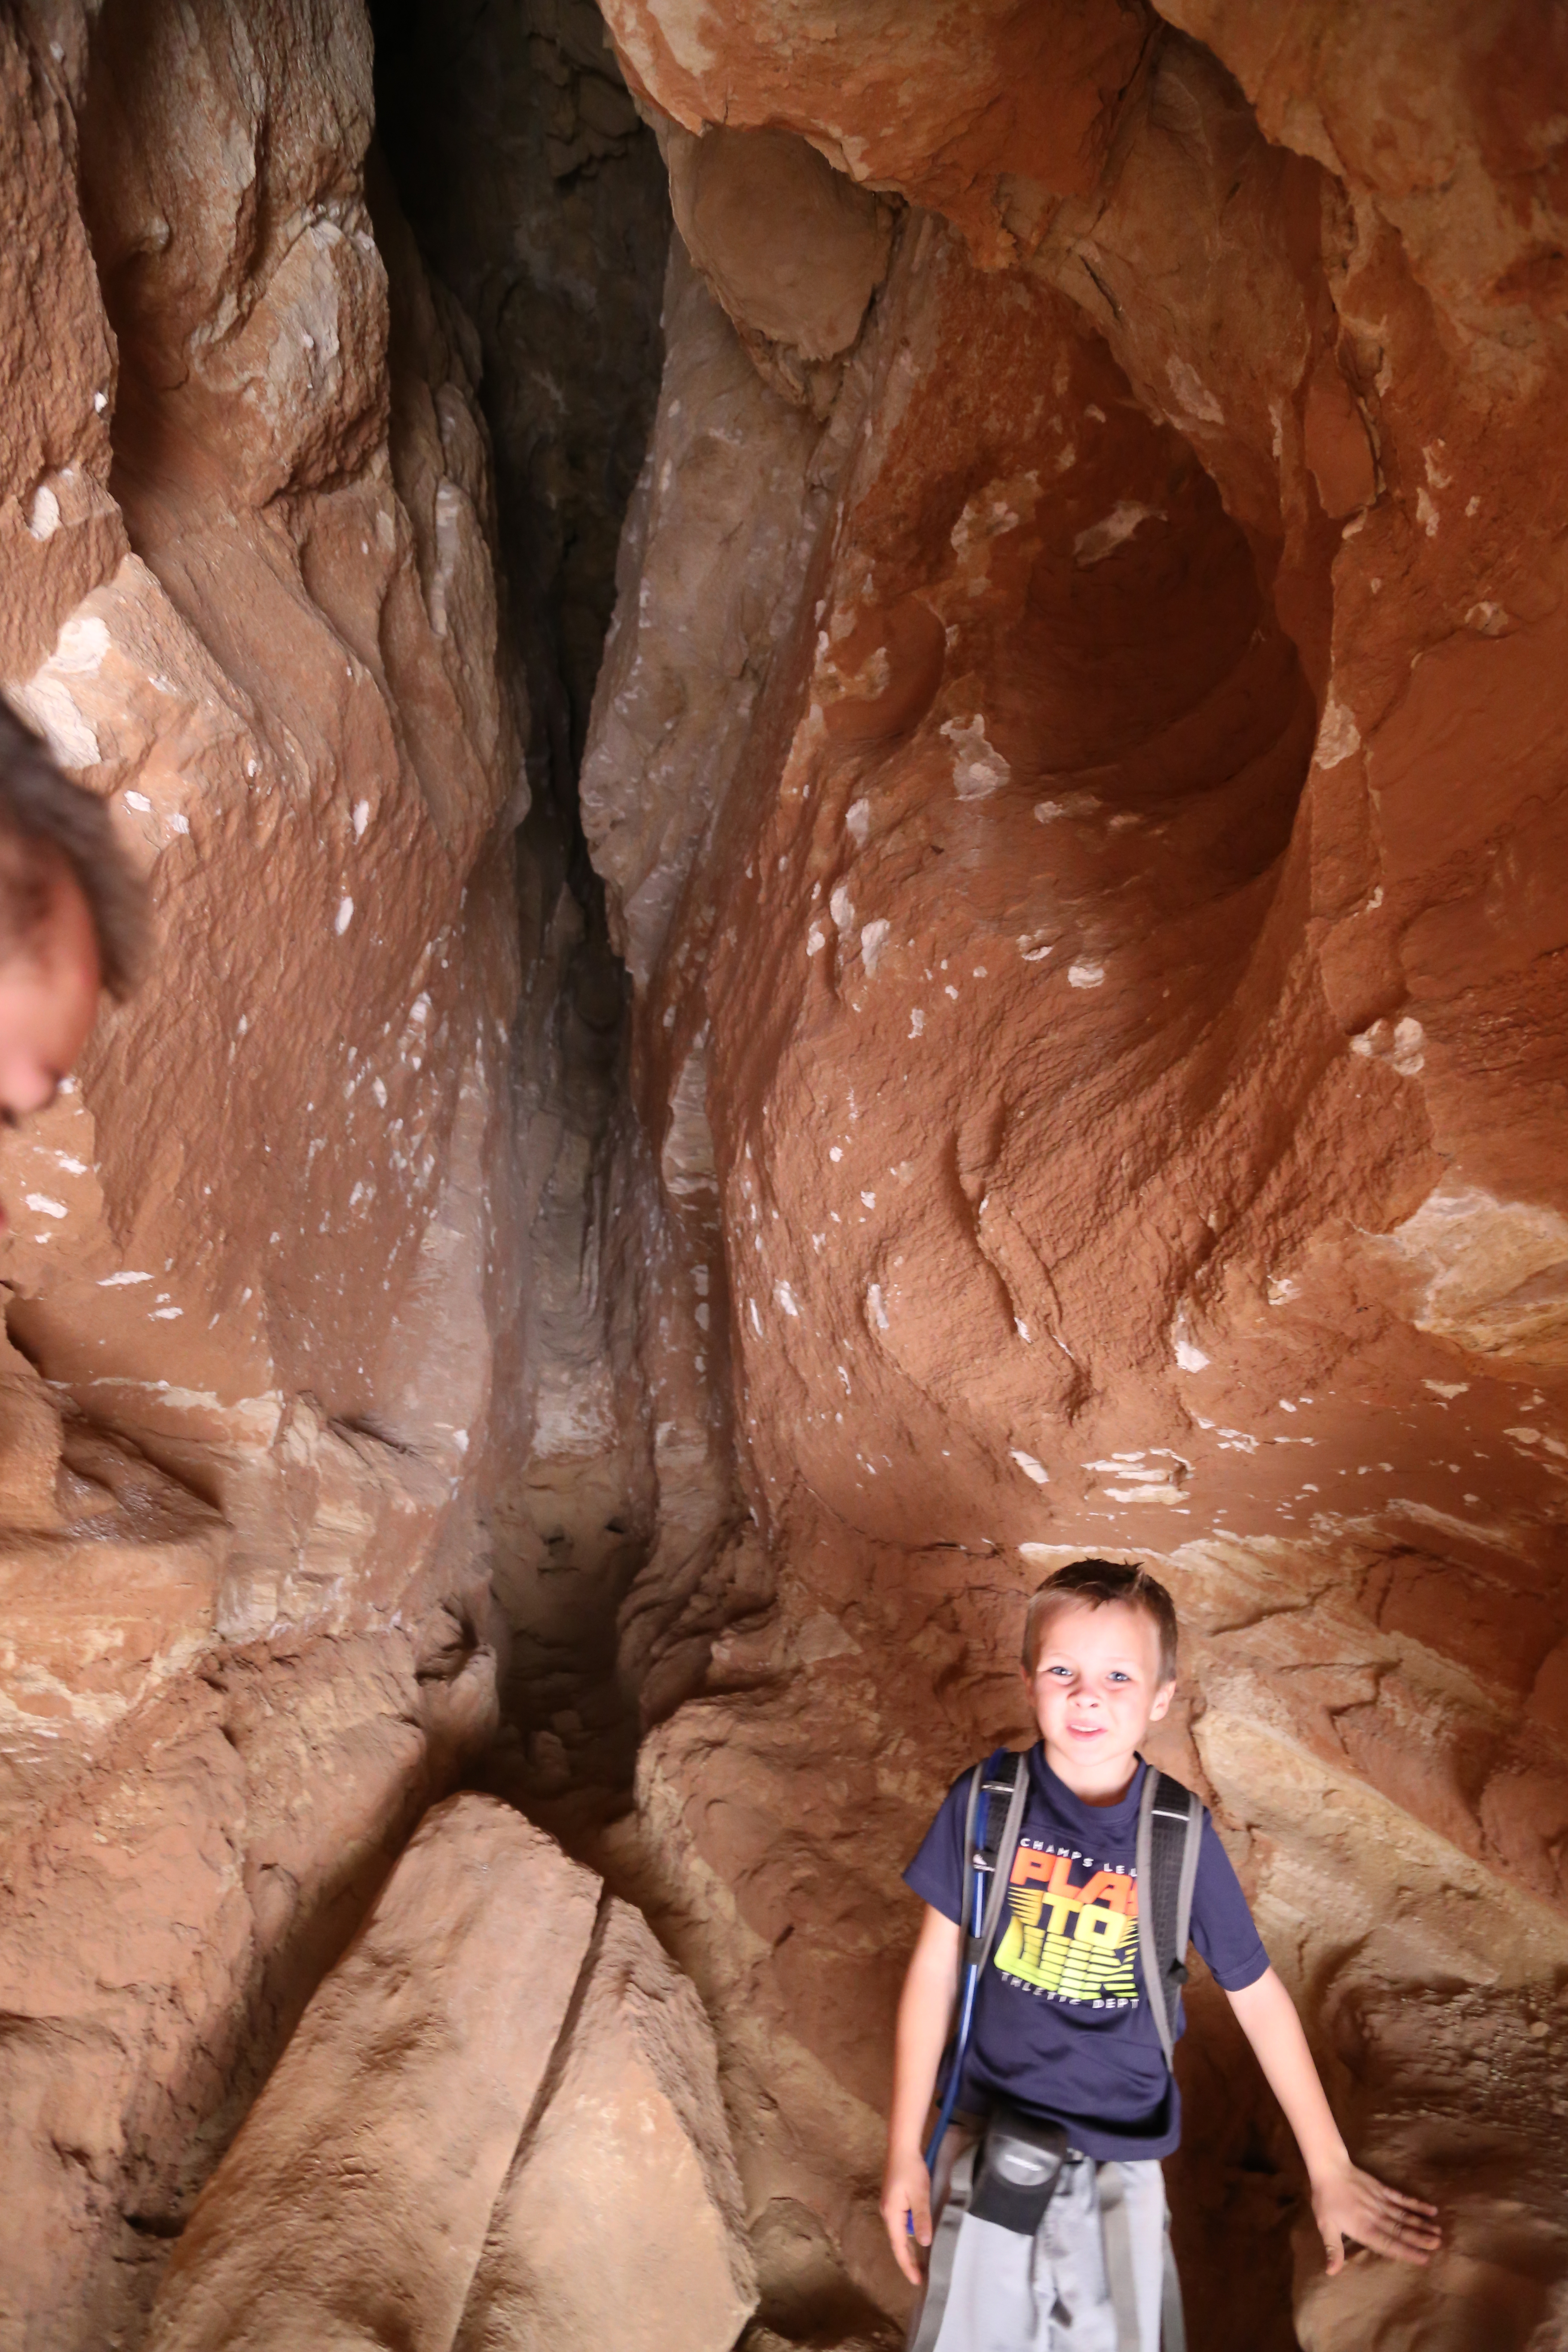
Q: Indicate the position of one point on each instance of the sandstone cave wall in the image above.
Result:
(1099, 1012)
(1076, 788)
(264, 1258)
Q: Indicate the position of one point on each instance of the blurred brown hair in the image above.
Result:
(46, 819)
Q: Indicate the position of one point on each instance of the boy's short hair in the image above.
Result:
(48, 823)
(1090, 1583)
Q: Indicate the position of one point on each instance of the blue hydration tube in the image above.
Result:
(971, 1985)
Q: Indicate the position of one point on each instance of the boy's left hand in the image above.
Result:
(1349, 2204)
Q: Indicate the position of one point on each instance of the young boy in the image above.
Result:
(1062, 2030)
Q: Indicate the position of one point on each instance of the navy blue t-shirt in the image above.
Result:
(1061, 2027)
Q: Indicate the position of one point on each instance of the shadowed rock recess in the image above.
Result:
(848, 901)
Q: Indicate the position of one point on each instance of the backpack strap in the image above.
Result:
(996, 1807)
(1003, 1797)
(1170, 1832)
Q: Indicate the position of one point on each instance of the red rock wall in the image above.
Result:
(1076, 780)
(262, 1270)
(1110, 998)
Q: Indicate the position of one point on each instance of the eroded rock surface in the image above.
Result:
(261, 1263)
(496, 2038)
(1075, 787)
(1090, 985)
(621, 2218)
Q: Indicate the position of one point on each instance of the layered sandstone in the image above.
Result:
(1074, 786)
(260, 1257)
(497, 2123)
(1116, 981)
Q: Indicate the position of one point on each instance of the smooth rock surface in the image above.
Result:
(621, 2219)
(495, 2038)
(352, 2209)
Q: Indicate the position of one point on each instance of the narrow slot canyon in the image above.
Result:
(845, 731)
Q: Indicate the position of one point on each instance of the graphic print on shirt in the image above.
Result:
(1074, 1937)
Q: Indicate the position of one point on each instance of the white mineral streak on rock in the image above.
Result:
(1194, 401)
(1157, 1475)
(52, 698)
(1338, 735)
(873, 939)
(1031, 1468)
(1399, 1042)
(44, 514)
(978, 768)
(1190, 1356)
(1103, 537)
(1495, 1273)
(1085, 973)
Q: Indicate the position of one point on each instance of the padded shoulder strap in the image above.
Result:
(1003, 1797)
(1170, 1832)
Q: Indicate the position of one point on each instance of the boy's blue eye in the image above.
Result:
(1118, 1676)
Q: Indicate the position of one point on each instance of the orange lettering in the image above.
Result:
(1113, 1886)
(1031, 1867)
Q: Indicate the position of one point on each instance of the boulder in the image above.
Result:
(620, 2222)
(497, 2122)
(352, 2207)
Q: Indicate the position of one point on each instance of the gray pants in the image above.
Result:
(1096, 2276)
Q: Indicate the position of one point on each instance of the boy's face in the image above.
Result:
(1096, 1686)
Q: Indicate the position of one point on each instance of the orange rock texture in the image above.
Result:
(1121, 961)
(257, 1258)
(1075, 796)
(498, 2123)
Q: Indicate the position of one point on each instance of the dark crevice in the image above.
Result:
(538, 201)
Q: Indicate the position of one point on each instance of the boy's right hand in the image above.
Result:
(906, 2208)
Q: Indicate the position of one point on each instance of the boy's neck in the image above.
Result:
(1104, 1783)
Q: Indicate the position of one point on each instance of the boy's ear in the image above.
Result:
(1162, 1697)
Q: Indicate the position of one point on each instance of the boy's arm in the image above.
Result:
(925, 2011)
(1347, 2202)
